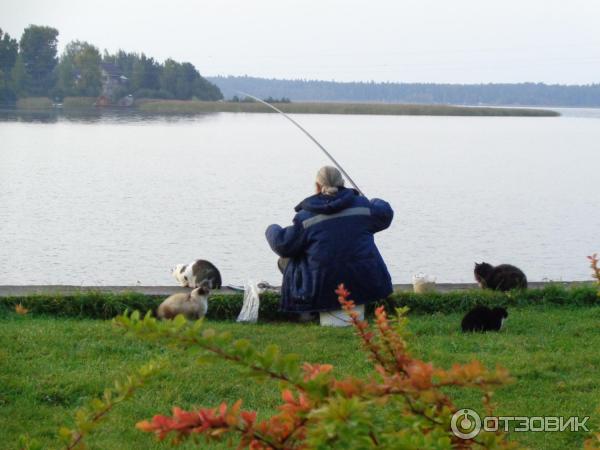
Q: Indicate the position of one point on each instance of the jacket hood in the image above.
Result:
(328, 204)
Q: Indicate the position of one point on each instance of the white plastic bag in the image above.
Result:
(252, 291)
(423, 283)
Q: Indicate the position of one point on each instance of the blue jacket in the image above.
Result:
(331, 242)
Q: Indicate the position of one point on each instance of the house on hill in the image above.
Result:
(112, 78)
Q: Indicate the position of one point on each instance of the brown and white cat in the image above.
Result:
(501, 278)
(193, 305)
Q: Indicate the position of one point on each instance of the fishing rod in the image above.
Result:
(310, 136)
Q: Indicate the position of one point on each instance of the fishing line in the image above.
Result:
(310, 136)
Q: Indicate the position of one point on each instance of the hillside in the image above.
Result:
(521, 94)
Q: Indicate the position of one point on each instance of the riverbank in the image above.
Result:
(153, 106)
(54, 289)
(226, 305)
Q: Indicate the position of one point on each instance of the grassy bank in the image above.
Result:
(51, 366)
(43, 103)
(152, 106)
(181, 106)
(79, 102)
(34, 103)
(98, 305)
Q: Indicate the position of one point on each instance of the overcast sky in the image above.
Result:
(454, 41)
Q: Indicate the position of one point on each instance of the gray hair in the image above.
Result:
(330, 179)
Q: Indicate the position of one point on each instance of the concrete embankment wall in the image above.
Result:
(21, 291)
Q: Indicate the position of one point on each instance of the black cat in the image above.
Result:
(501, 278)
(482, 318)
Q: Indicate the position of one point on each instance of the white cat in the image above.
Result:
(192, 305)
(197, 273)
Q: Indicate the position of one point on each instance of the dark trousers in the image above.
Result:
(302, 317)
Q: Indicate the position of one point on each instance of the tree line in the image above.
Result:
(516, 94)
(32, 67)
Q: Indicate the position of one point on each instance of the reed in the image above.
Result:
(34, 103)
(187, 107)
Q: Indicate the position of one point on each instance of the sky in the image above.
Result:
(439, 41)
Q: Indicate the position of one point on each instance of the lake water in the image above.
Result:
(120, 199)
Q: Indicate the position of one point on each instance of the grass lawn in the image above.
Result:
(50, 366)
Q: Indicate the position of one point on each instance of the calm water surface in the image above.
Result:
(112, 199)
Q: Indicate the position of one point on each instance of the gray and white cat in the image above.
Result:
(197, 273)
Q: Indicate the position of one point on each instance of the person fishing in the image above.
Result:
(331, 241)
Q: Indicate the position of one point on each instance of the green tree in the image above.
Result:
(186, 77)
(184, 81)
(38, 52)
(125, 61)
(9, 49)
(78, 72)
(168, 76)
(19, 77)
(7, 93)
(205, 90)
(65, 77)
(145, 73)
(148, 78)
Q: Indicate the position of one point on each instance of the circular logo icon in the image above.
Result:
(465, 423)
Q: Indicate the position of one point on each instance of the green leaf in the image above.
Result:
(242, 345)
(179, 321)
(97, 404)
(209, 333)
(65, 433)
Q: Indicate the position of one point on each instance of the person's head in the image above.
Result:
(329, 179)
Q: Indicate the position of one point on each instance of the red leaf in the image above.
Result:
(287, 396)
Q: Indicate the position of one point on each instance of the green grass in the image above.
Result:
(30, 103)
(49, 366)
(79, 102)
(187, 106)
(34, 103)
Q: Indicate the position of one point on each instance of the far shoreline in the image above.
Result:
(156, 106)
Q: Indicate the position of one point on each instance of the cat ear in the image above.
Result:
(203, 289)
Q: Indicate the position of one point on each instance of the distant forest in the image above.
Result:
(520, 94)
(32, 67)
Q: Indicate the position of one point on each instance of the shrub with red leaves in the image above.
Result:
(402, 404)
(595, 268)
